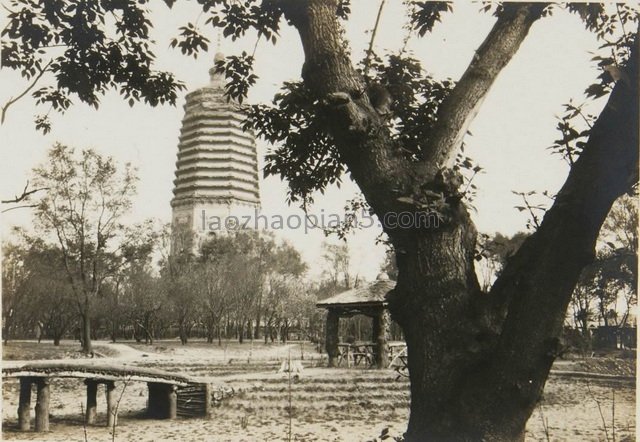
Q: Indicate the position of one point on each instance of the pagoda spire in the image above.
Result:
(216, 79)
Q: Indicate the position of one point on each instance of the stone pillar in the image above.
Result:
(92, 402)
(333, 320)
(110, 393)
(172, 401)
(380, 328)
(207, 398)
(42, 405)
(24, 407)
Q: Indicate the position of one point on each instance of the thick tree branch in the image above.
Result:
(463, 103)
(26, 193)
(535, 288)
(360, 134)
(565, 242)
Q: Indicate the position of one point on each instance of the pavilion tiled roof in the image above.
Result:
(368, 294)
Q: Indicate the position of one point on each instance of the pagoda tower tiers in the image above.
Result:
(217, 167)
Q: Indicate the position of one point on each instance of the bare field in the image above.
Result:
(322, 405)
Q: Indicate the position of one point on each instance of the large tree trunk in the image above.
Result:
(436, 302)
(477, 361)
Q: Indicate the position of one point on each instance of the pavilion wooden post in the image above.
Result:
(110, 393)
(92, 401)
(333, 320)
(42, 404)
(24, 406)
(380, 328)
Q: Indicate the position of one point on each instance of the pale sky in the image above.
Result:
(510, 135)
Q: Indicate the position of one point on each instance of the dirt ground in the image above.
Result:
(584, 400)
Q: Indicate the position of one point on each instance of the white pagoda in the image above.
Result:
(217, 168)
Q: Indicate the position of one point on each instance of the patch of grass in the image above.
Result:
(30, 350)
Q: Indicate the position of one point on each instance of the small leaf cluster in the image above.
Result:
(615, 26)
(467, 168)
(238, 70)
(191, 41)
(533, 205)
(303, 153)
(352, 211)
(573, 139)
(344, 9)
(416, 97)
(424, 15)
(87, 47)
(235, 18)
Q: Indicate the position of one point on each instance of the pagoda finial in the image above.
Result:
(217, 78)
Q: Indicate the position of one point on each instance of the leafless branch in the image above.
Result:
(25, 92)
(84, 422)
(115, 410)
(26, 193)
(19, 207)
(367, 61)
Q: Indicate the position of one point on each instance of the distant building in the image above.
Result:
(216, 180)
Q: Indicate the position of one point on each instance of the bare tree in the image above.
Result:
(85, 200)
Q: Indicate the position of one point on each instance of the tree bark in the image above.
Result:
(533, 291)
(87, 347)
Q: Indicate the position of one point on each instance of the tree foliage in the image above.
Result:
(613, 276)
(37, 296)
(82, 209)
(84, 48)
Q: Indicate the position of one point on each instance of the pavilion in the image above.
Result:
(369, 300)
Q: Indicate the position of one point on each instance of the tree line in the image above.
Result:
(87, 274)
(244, 285)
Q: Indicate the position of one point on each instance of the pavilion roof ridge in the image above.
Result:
(373, 293)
